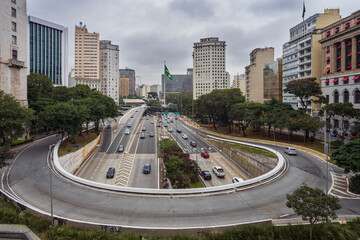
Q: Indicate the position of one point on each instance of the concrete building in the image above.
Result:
(124, 87)
(48, 50)
(254, 73)
(273, 80)
(14, 49)
(240, 82)
(144, 89)
(87, 57)
(209, 66)
(130, 74)
(340, 65)
(109, 70)
(179, 83)
(302, 54)
(155, 88)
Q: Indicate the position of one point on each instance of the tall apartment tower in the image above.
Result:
(124, 87)
(13, 49)
(109, 70)
(254, 73)
(240, 82)
(273, 80)
(302, 54)
(48, 50)
(209, 66)
(86, 53)
(130, 74)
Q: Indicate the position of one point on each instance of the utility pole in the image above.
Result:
(327, 153)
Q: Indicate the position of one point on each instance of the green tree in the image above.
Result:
(61, 94)
(307, 123)
(153, 95)
(345, 111)
(304, 89)
(355, 128)
(312, 205)
(206, 106)
(348, 156)
(15, 119)
(245, 114)
(80, 91)
(5, 155)
(39, 86)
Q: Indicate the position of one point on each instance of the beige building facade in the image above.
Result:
(124, 87)
(209, 66)
(86, 53)
(340, 65)
(254, 73)
(273, 80)
(240, 82)
(14, 49)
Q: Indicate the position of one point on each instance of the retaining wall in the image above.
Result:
(72, 161)
(255, 164)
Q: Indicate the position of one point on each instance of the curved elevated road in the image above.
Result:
(28, 179)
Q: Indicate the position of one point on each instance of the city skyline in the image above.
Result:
(167, 30)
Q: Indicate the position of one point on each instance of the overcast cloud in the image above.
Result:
(150, 32)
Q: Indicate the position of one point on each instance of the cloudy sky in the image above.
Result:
(151, 31)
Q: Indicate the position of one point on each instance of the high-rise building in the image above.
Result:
(124, 87)
(340, 66)
(130, 74)
(144, 89)
(86, 53)
(155, 88)
(209, 66)
(273, 80)
(302, 54)
(48, 50)
(179, 83)
(13, 49)
(240, 82)
(109, 70)
(254, 73)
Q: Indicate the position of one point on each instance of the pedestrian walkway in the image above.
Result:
(340, 187)
(124, 170)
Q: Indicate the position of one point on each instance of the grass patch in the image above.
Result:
(252, 150)
(67, 145)
(197, 184)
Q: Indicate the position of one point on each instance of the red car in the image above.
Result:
(132, 116)
(205, 154)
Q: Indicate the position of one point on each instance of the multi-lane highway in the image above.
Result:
(27, 179)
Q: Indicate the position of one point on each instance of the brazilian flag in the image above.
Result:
(167, 73)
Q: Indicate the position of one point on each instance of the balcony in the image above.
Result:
(287, 67)
(16, 63)
(290, 60)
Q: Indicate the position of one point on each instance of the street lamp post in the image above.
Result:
(51, 147)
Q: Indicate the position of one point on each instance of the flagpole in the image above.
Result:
(164, 85)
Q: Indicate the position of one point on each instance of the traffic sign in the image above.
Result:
(166, 113)
(176, 113)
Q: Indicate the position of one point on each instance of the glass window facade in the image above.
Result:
(46, 51)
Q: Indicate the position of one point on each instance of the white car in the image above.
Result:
(218, 171)
(290, 150)
(237, 179)
(170, 129)
(127, 131)
(184, 136)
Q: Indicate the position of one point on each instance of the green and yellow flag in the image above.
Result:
(167, 73)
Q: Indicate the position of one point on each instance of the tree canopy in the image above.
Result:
(348, 156)
(312, 205)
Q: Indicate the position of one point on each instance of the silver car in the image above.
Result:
(290, 150)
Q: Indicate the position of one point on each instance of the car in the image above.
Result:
(142, 135)
(121, 148)
(170, 129)
(176, 118)
(121, 114)
(206, 174)
(171, 121)
(128, 125)
(219, 172)
(147, 118)
(184, 136)
(132, 116)
(178, 130)
(158, 125)
(127, 131)
(143, 129)
(110, 173)
(151, 134)
(193, 144)
(237, 179)
(136, 110)
(290, 150)
(108, 126)
(165, 125)
(205, 154)
(147, 168)
(152, 122)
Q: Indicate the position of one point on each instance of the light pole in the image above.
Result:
(51, 147)
(326, 151)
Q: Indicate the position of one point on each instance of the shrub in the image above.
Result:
(336, 143)
(18, 142)
(355, 184)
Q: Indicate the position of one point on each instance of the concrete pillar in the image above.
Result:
(343, 56)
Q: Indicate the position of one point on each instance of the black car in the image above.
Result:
(206, 174)
(178, 130)
(110, 173)
(193, 144)
(147, 168)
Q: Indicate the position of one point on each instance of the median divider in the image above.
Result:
(170, 192)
